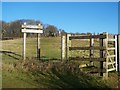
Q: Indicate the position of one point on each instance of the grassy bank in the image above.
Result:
(45, 74)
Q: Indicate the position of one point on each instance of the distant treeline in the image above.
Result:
(13, 29)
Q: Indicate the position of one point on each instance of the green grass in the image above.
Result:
(13, 54)
(31, 73)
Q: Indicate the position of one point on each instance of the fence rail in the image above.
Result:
(87, 59)
(87, 48)
(88, 37)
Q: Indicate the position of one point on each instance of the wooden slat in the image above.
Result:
(32, 31)
(32, 26)
(87, 59)
(109, 63)
(87, 48)
(110, 48)
(111, 56)
(87, 37)
(110, 60)
(111, 39)
(111, 69)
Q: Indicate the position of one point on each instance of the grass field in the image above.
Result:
(32, 73)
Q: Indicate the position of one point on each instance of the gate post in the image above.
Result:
(91, 51)
(115, 52)
(63, 47)
(118, 52)
(104, 65)
(68, 44)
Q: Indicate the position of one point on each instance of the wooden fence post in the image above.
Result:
(103, 54)
(105, 64)
(63, 49)
(118, 52)
(91, 51)
(68, 44)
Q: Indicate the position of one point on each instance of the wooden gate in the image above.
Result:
(107, 51)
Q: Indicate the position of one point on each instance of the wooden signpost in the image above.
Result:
(32, 29)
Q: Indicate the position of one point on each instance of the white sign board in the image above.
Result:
(31, 31)
(33, 26)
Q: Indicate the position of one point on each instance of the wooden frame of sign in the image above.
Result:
(32, 29)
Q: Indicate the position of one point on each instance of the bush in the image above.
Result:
(62, 75)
